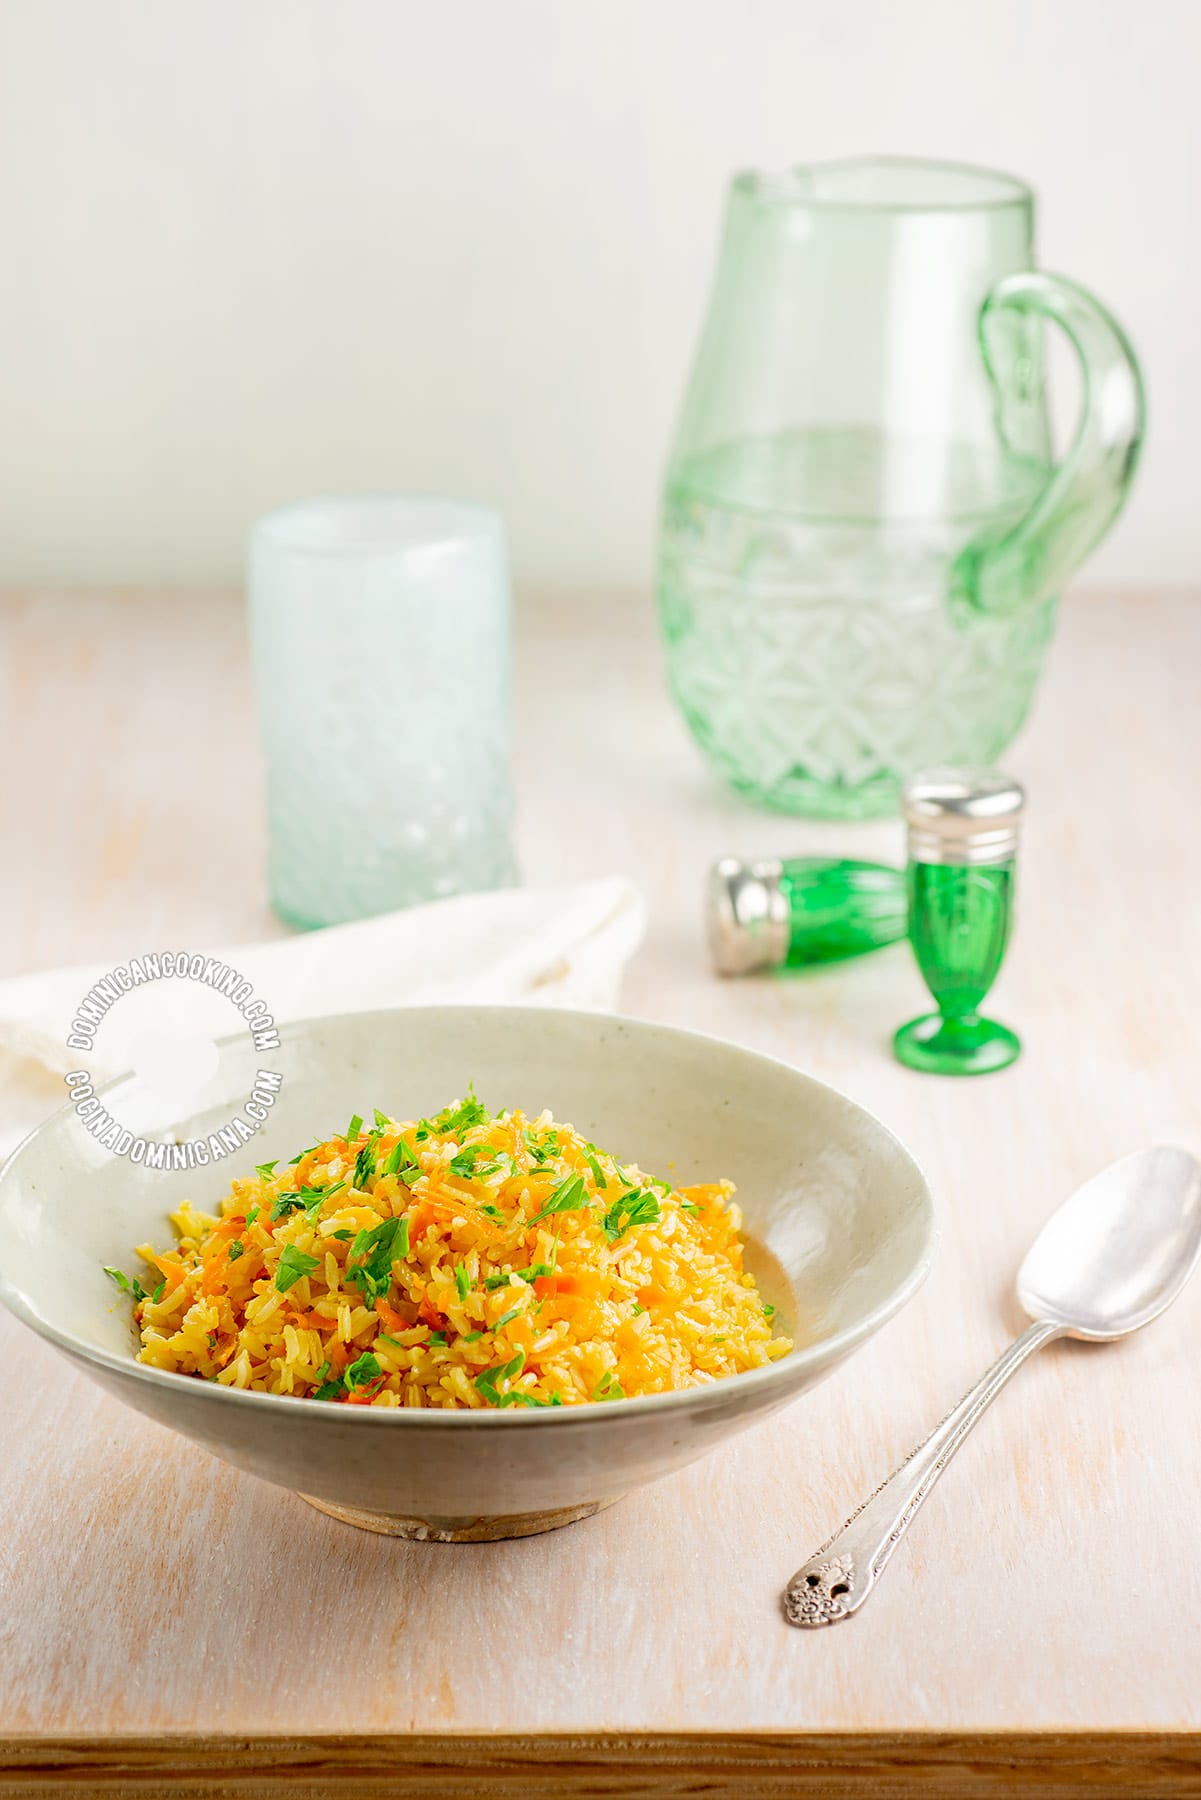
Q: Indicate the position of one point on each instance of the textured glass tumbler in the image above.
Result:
(380, 634)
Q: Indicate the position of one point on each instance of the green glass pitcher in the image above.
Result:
(865, 529)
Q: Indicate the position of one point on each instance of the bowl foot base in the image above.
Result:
(482, 1530)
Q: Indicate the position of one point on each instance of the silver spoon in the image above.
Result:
(1111, 1259)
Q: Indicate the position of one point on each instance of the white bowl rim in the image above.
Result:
(830, 1349)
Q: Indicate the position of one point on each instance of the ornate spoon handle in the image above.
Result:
(835, 1583)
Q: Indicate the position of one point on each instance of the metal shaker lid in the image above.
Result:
(746, 915)
(962, 815)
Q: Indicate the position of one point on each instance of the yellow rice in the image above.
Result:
(407, 1265)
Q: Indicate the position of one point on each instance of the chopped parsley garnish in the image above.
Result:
(769, 1311)
(158, 1292)
(598, 1174)
(538, 1155)
(365, 1368)
(531, 1274)
(236, 1249)
(570, 1196)
(529, 1400)
(329, 1390)
(466, 1163)
(638, 1308)
(355, 1126)
(342, 1234)
(493, 1212)
(454, 1120)
(133, 1287)
(634, 1208)
(364, 1162)
(469, 1337)
(608, 1387)
(323, 1371)
(376, 1238)
(689, 1206)
(310, 1198)
(266, 1170)
(488, 1380)
(462, 1281)
(378, 1248)
(542, 1150)
(299, 1158)
(403, 1162)
(313, 1197)
(382, 1121)
(253, 1214)
(438, 1338)
(294, 1264)
(511, 1314)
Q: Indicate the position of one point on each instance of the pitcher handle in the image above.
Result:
(1031, 560)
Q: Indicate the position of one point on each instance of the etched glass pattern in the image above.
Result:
(381, 643)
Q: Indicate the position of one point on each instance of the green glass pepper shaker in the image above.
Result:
(772, 913)
(963, 837)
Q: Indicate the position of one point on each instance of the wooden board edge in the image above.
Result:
(591, 1765)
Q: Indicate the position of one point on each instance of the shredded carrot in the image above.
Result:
(653, 1295)
(429, 1315)
(519, 1334)
(312, 1321)
(420, 1216)
(392, 1319)
(363, 1396)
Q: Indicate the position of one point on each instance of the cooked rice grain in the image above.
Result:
(427, 1276)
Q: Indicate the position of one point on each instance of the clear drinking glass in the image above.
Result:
(381, 641)
(865, 528)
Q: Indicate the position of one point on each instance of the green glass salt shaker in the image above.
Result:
(963, 837)
(772, 913)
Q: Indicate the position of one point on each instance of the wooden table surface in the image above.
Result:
(168, 1625)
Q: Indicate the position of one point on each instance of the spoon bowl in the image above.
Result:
(1115, 1254)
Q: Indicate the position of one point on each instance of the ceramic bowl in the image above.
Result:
(839, 1222)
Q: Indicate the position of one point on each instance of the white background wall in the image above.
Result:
(253, 249)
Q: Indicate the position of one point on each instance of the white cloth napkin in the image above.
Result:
(562, 946)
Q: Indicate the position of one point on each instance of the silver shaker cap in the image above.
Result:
(962, 815)
(746, 916)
